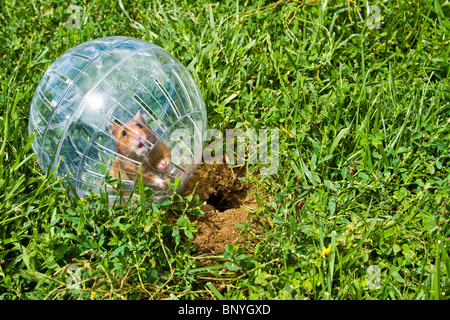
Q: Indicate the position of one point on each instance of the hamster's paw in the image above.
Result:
(163, 165)
(162, 183)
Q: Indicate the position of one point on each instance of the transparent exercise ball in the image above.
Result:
(119, 106)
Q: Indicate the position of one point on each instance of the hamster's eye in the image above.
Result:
(139, 125)
(124, 133)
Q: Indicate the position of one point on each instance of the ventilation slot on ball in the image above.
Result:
(168, 97)
(81, 56)
(153, 116)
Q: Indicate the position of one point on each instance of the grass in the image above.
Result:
(363, 116)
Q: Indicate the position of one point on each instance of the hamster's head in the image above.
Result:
(133, 137)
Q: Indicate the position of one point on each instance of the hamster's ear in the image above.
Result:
(113, 128)
(141, 116)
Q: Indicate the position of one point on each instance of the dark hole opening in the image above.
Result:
(222, 201)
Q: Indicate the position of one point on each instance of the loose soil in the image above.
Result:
(228, 202)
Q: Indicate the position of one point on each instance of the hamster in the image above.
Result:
(130, 139)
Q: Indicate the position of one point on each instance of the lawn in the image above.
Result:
(359, 206)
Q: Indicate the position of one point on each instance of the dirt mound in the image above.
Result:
(227, 198)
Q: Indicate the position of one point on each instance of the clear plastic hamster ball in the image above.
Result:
(119, 105)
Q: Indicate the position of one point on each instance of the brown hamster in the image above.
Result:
(130, 139)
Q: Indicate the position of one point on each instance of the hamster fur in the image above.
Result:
(130, 140)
